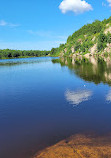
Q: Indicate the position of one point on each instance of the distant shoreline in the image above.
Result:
(9, 54)
(23, 57)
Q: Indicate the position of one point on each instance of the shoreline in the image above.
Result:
(79, 146)
(87, 55)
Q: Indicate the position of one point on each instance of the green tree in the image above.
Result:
(102, 40)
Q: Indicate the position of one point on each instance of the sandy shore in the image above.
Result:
(79, 146)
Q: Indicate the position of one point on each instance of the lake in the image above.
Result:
(44, 100)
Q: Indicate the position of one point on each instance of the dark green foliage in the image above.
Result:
(69, 39)
(7, 53)
(87, 36)
(56, 51)
(85, 46)
(61, 47)
(89, 29)
(53, 51)
(102, 41)
(106, 21)
(109, 38)
(77, 46)
(68, 52)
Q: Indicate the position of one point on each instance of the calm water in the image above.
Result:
(43, 101)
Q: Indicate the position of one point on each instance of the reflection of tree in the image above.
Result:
(92, 69)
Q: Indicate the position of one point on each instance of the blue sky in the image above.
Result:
(43, 24)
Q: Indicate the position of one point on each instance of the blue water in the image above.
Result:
(42, 103)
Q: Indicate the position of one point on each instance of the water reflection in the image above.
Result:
(108, 97)
(77, 97)
(91, 68)
(17, 61)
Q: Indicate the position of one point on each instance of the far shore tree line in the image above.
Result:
(8, 53)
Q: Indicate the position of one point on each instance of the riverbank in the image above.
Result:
(9, 54)
(79, 146)
(20, 57)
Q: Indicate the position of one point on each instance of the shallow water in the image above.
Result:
(42, 102)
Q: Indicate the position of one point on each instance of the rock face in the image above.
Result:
(108, 30)
(108, 48)
(65, 50)
(72, 49)
(61, 54)
(94, 38)
(87, 55)
(85, 36)
(79, 146)
(80, 40)
(93, 49)
(107, 25)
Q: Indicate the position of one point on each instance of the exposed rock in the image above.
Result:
(94, 38)
(108, 48)
(72, 49)
(65, 50)
(107, 30)
(74, 55)
(85, 36)
(93, 49)
(107, 25)
(87, 55)
(80, 40)
(61, 54)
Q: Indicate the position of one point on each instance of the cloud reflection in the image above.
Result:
(77, 97)
(108, 96)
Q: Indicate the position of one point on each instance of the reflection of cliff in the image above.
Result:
(90, 69)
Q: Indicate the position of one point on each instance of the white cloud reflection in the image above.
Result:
(77, 97)
(108, 96)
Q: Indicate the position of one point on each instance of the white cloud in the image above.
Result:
(48, 34)
(4, 23)
(109, 1)
(13, 25)
(76, 6)
(77, 97)
(40, 33)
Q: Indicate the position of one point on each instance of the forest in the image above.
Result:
(82, 40)
(8, 53)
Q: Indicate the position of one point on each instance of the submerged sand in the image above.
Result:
(79, 146)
